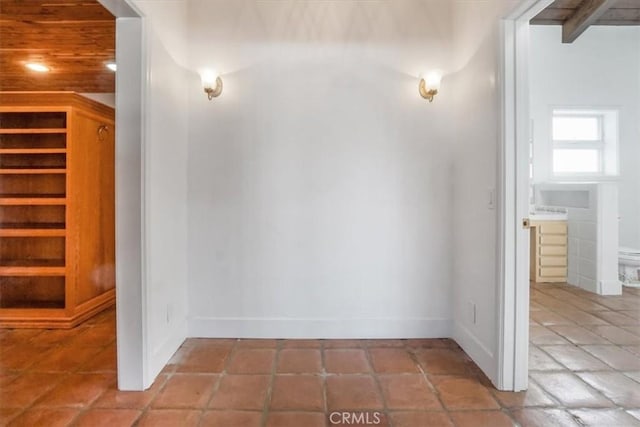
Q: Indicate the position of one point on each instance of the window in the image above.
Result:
(585, 143)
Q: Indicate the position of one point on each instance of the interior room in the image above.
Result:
(305, 219)
(57, 266)
(585, 194)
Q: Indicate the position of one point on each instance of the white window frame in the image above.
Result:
(600, 144)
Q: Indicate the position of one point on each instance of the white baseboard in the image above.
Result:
(588, 284)
(163, 352)
(296, 328)
(610, 287)
(481, 355)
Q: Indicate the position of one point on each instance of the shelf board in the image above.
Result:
(32, 232)
(27, 201)
(55, 262)
(33, 225)
(32, 271)
(32, 131)
(33, 150)
(36, 171)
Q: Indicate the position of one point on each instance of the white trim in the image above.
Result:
(505, 217)
(121, 9)
(163, 352)
(131, 80)
(513, 244)
(310, 328)
(145, 202)
(610, 287)
(471, 345)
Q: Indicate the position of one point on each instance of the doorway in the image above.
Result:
(128, 163)
(130, 195)
(573, 327)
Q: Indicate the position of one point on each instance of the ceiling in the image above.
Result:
(75, 39)
(577, 15)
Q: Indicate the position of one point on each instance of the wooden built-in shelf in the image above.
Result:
(32, 171)
(19, 271)
(32, 232)
(33, 263)
(29, 131)
(57, 209)
(36, 305)
(33, 150)
(28, 201)
(32, 226)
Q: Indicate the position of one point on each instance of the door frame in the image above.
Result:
(513, 245)
(130, 238)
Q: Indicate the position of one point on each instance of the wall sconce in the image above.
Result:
(212, 83)
(429, 85)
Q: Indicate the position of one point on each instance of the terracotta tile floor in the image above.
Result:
(585, 370)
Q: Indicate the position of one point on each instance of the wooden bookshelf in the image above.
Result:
(57, 227)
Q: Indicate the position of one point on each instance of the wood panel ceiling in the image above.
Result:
(75, 39)
(577, 15)
(622, 12)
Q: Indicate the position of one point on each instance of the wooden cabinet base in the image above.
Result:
(55, 318)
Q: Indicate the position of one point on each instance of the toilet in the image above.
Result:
(629, 266)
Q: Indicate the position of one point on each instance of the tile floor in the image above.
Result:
(585, 370)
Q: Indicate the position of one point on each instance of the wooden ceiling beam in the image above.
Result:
(616, 14)
(555, 15)
(627, 4)
(586, 15)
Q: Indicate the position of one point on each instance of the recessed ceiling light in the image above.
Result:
(112, 66)
(34, 66)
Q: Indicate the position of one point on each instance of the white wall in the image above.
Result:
(165, 185)
(325, 198)
(319, 182)
(599, 70)
(475, 123)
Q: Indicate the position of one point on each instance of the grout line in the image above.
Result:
(376, 379)
(323, 378)
(267, 400)
(433, 388)
(217, 383)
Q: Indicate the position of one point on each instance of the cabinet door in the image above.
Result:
(92, 199)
